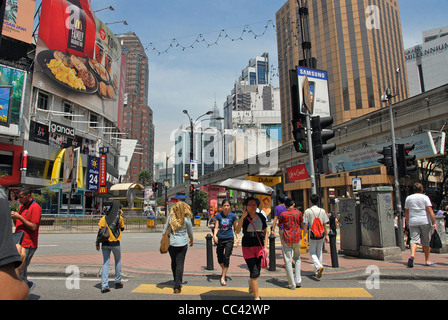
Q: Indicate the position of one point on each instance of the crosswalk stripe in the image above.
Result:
(264, 292)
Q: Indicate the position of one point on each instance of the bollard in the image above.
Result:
(333, 250)
(209, 248)
(271, 253)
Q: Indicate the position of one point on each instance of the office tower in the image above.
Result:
(426, 63)
(358, 42)
(137, 115)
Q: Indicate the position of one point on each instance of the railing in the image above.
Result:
(89, 223)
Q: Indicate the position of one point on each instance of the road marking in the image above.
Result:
(264, 292)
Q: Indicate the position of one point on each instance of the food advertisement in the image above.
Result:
(78, 57)
(18, 20)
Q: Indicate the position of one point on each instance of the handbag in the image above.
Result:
(165, 242)
(103, 235)
(436, 242)
(263, 252)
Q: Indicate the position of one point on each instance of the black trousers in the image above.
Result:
(177, 255)
(224, 250)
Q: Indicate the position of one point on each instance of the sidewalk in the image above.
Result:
(135, 264)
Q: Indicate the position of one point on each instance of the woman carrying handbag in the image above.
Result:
(179, 222)
(255, 236)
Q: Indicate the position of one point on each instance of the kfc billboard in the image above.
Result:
(78, 57)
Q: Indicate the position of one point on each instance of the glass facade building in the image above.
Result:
(358, 42)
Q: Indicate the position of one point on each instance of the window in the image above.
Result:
(68, 109)
(93, 120)
(42, 101)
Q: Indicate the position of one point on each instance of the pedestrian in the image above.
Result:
(277, 211)
(12, 287)
(255, 236)
(316, 245)
(180, 223)
(421, 221)
(28, 220)
(225, 223)
(292, 221)
(114, 221)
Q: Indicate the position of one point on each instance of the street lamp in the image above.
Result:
(123, 21)
(386, 97)
(107, 8)
(192, 125)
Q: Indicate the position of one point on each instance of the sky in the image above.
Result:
(196, 78)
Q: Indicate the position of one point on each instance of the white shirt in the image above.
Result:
(417, 203)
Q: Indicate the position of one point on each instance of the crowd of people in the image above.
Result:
(294, 227)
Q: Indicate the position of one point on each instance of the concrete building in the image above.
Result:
(137, 115)
(426, 63)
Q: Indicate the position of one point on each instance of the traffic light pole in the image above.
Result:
(311, 154)
(396, 183)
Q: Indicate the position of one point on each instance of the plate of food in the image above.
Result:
(68, 70)
(99, 70)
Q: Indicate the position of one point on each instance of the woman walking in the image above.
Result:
(255, 236)
(179, 221)
(114, 221)
(224, 237)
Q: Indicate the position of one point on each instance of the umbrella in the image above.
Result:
(246, 185)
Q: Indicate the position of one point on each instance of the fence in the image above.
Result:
(89, 223)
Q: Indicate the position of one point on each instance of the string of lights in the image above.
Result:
(223, 34)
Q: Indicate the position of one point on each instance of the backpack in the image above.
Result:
(317, 230)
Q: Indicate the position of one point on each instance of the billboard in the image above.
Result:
(317, 94)
(78, 57)
(19, 19)
(11, 99)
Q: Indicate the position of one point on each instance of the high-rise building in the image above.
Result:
(426, 63)
(358, 42)
(137, 115)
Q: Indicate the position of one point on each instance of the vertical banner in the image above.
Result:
(93, 173)
(68, 168)
(103, 165)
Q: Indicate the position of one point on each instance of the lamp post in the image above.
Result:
(192, 124)
(386, 97)
(123, 22)
(166, 184)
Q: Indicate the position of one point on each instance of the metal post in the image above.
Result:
(209, 248)
(333, 250)
(311, 154)
(272, 252)
(396, 183)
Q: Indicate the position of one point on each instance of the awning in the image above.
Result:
(126, 186)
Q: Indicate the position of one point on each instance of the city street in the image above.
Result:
(72, 272)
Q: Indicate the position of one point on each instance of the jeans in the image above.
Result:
(292, 253)
(116, 250)
(177, 255)
(224, 250)
(29, 255)
(316, 247)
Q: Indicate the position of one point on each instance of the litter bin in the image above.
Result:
(150, 221)
(197, 221)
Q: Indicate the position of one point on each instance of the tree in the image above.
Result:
(145, 178)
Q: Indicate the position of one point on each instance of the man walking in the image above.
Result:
(292, 222)
(419, 216)
(316, 243)
(28, 221)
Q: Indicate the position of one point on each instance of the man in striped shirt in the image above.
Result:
(292, 221)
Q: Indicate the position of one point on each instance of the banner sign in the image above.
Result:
(93, 173)
(103, 166)
(297, 173)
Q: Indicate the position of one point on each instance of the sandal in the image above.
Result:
(411, 262)
(223, 282)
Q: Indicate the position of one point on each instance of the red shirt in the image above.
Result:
(31, 212)
(292, 221)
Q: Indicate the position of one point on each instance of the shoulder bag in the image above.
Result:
(103, 234)
(263, 252)
(165, 242)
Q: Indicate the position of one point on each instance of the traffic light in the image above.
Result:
(299, 132)
(387, 159)
(155, 187)
(191, 192)
(320, 136)
(406, 162)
